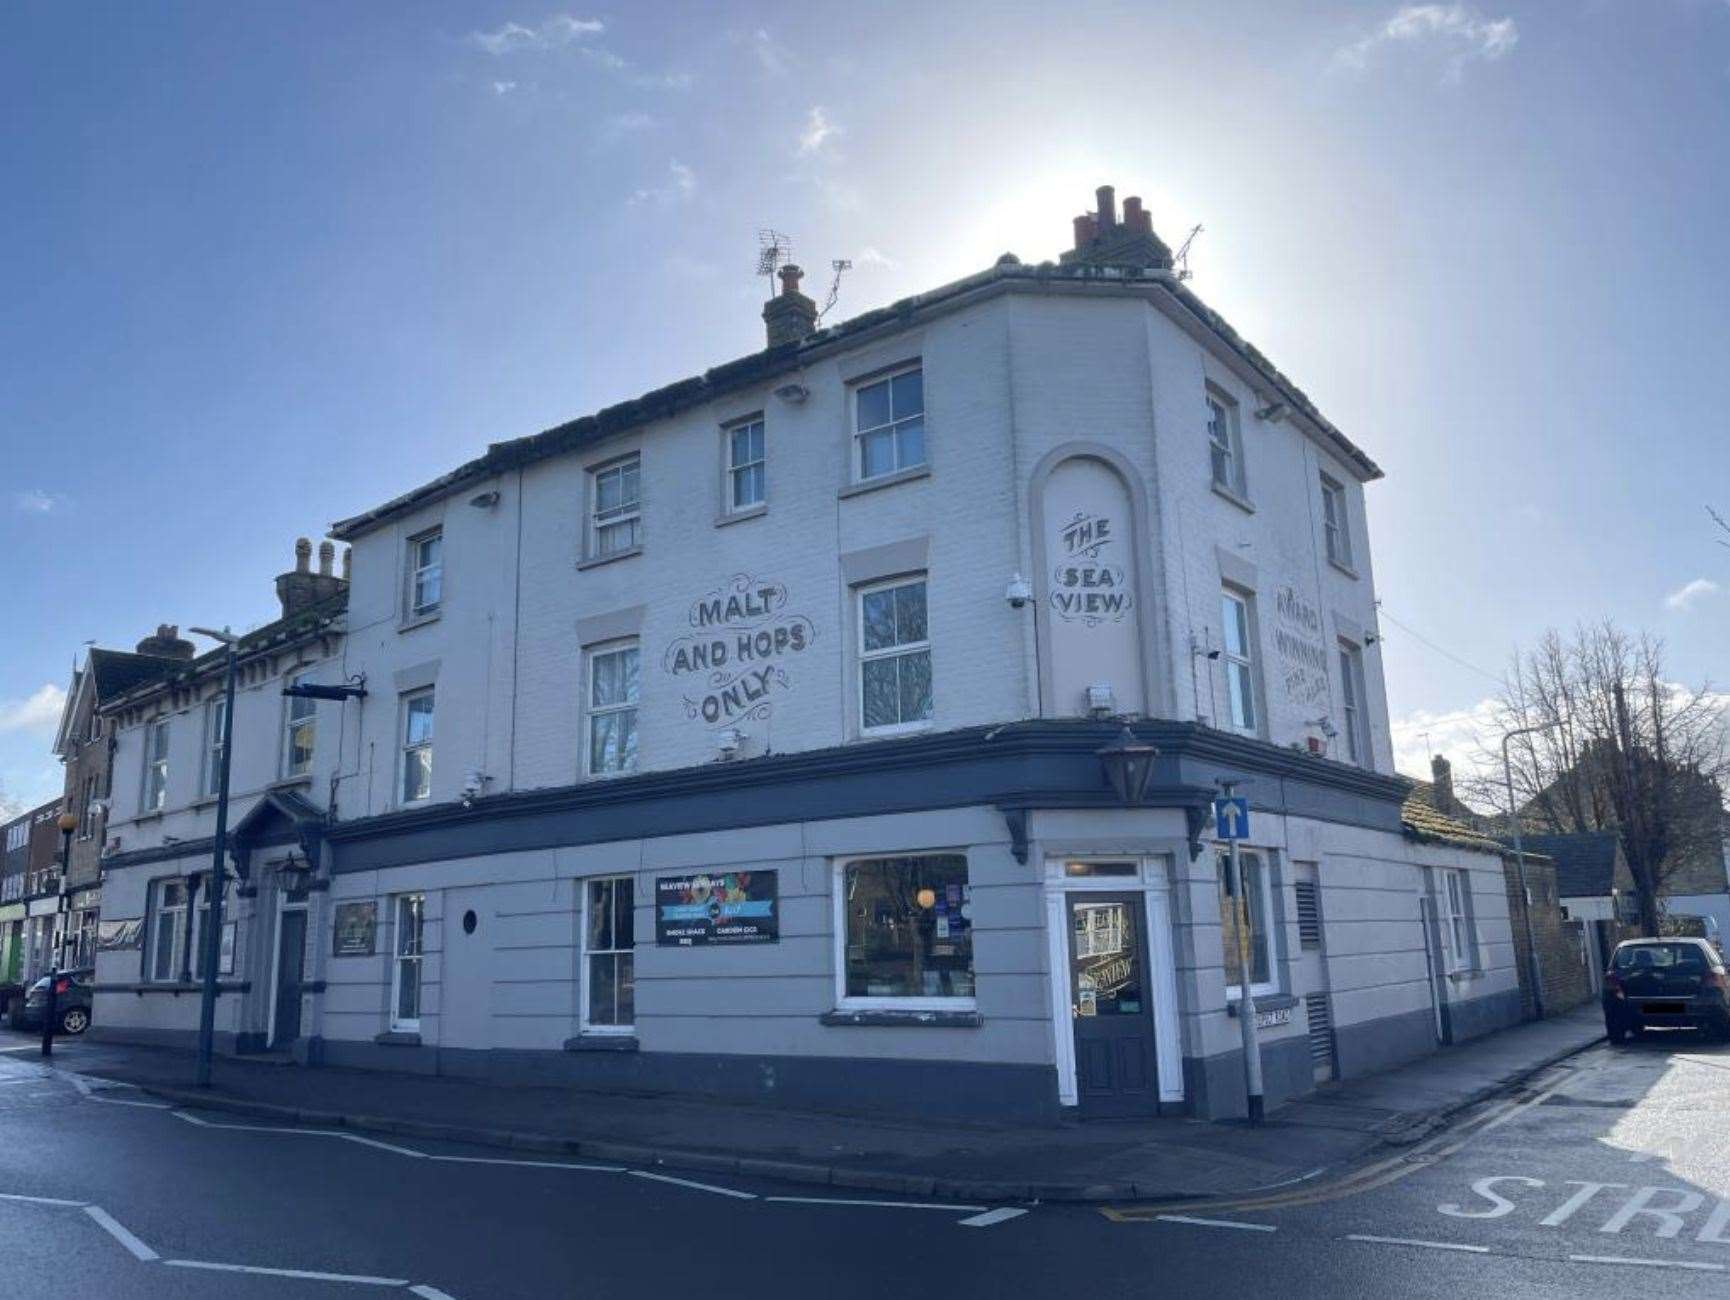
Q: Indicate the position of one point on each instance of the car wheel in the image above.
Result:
(74, 1020)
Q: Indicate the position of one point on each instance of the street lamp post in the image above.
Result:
(211, 956)
(1520, 861)
(51, 1009)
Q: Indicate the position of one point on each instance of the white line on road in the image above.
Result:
(887, 1205)
(41, 1200)
(426, 1292)
(1001, 1214)
(114, 1228)
(301, 1132)
(1413, 1241)
(305, 1274)
(1648, 1263)
(686, 1182)
(1214, 1223)
(531, 1164)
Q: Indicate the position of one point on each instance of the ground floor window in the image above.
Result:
(81, 946)
(609, 955)
(1263, 940)
(906, 931)
(225, 955)
(167, 931)
(1455, 918)
(408, 912)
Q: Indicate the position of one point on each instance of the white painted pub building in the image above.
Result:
(745, 738)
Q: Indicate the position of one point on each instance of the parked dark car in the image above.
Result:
(72, 1001)
(1666, 984)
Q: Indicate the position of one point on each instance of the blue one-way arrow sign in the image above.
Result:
(1231, 818)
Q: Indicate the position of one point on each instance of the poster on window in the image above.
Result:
(356, 929)
(120, 936)
(716, 907)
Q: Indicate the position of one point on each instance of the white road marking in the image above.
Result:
(1287, 1182)
(887, 1205)
(1413, 1241)
(426, 1292)
(127, 1101)
(1215, 1223)
(301, 1132)
(23, 1047)
(1001, 1214)
(114, 1228)
(531, 1164)
(686, 1182)
(41, 1200)
(1647, 1263)
(305, 1274)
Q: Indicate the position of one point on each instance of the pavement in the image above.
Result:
(1604, 1175)
(1162, 1159)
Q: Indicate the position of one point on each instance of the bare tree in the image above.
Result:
(1622, 748)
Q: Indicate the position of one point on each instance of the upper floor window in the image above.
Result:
(889, 424)
(417, 746)
(300, 728)
(17, 835)
(1352, 703)
(1225, 443)
(89, 809)
(155, 766)
(616, 507)
(426, 572)
(1335, 523)
(894, 657)
(214, 715)
(747, 483)
(615, 680)
(1239, 660)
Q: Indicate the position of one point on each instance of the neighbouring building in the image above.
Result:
(840, 726)
(41, 891)
(14, 854)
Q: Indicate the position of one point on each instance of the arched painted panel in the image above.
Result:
(1092, 596)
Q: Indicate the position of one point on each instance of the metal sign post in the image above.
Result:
(1231, 815)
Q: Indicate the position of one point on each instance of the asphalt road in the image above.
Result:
(1601, 1179)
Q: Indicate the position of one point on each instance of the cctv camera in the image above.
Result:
(1018, 593)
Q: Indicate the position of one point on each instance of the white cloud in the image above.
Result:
(503, 87)
(818, 131)
(680, 186)
(1685, 596)
(555, 33)
(35, 501)
(770, 54)
(1458, 735)
(1459, 30)
(39, 711)
(869, 256)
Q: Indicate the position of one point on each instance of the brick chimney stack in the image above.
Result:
(301, 588)
(790, 316)
(1102, 239)
(1442, 777)
(167, 644)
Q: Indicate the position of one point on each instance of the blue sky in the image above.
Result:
(264, 266)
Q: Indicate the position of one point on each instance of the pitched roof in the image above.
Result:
(1420, 821)
(114, 672)
(1585, 862)
(1157, 285)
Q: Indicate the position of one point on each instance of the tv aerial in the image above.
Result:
(774, 250)
(1182, 258)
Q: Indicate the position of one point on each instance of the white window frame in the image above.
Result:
(1269, 935)
(1336, 523)
(592, 711)
(1245, 662)
(405, 956)
(420, 571)
(212, 766)
(225, 948)
(1454, 888)
(616, 516)
(630, 883)
(1352, 714)
(898, 650)
(736, 467)
(838, 892)
(154, 795)
(1236, 481)
(895, 425)
(87, 810)
(407, 747)
(177, 918)
(291, 721)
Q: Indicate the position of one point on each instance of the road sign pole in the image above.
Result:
(1246, 1016)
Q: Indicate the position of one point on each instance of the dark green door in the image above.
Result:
(1111, 1005)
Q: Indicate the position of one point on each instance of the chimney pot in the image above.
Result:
(1107, 198)
(302, 555)
(790, 316)
(326, 557)
(347, 555)
(790, 277)
(1085, 229)
(1442, 777)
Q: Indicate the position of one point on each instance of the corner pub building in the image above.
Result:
(745, 738)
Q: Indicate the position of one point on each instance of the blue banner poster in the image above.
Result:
(716, 907)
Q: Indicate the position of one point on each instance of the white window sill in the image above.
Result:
(1233, 993)
(1236, 498)
(411, 621)
(1344, 568)
(908, 475)
(888, 733)
(954, 1013)
(740, 515)
(596, 561)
